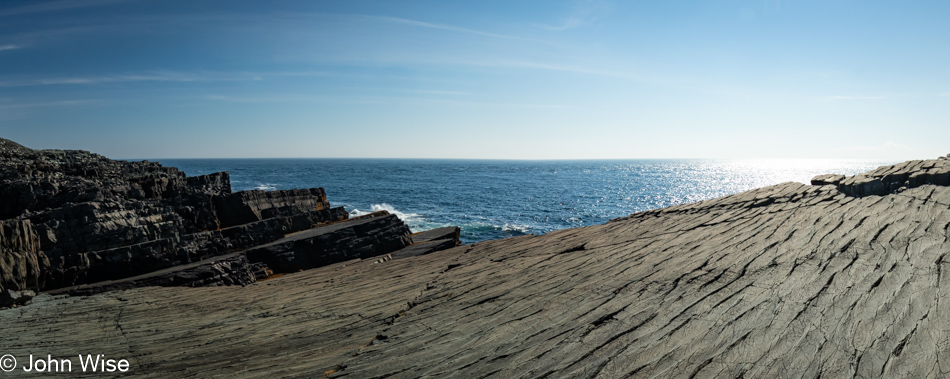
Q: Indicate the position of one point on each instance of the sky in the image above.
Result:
(478, 79)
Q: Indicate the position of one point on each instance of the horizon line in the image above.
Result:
(504, 159)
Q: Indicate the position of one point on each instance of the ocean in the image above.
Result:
(492, 199)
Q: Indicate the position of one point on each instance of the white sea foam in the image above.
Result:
(265, 187)
(415, 221)
(515, 228)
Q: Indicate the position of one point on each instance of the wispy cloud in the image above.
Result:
(263, 99)
(409, 90)
(570, 23)
(439, 26)
(493, 105)
(557, 67)
(9, 47)
(24, 110)
(438, 92)
(154, 76)
(361, 99)
(856, 97)
(43, 36)
(47, 104)
(161, 76)
(585, 12)
(463, 103)
(55, 6)
(283, 98)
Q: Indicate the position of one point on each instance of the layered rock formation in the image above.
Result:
(790, 280)
(21, 260)
(73, 218)
(891, 179)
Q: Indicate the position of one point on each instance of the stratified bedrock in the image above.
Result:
(78, 223)
(838, 279)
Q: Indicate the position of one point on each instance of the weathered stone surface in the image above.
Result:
(34, 180)
(105, 262)
(448, 232)
(9, 297)
(250, 206)
(351, 239)
(429, 241)
(96, 219)
(896, 178)
(785, 281)
(378, 234)
(261, 232)
(21, 261)
(424, 247)
(832, 179)
(217, 184)
(226, 270)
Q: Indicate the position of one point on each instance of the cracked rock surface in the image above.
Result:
(790, 280)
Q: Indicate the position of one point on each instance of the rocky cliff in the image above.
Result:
(790, 280)
(77, 221)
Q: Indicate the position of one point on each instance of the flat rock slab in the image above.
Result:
(784, 281)
(448, 232)
(237, 269)
(356, 238)
(423, 248)
(229, 269)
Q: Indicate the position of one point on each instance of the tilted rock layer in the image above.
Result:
(72, 218)
(789, 280)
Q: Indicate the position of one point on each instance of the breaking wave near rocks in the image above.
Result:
(415, 221)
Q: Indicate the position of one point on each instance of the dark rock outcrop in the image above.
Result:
(73, 218)
(430, 241)
(360, 238)
(249, 206)
(375, 234)
(21, 261)
(9, 298)
(892, 179)
(448, 232)
(226, 270)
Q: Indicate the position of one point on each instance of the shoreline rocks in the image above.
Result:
(891, 179)
(74, 218)
(21, 260)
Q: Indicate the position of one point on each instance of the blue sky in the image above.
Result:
(479, 79)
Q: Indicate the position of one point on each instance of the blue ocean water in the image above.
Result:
(497, 199)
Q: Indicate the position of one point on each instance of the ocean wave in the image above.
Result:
(265, 187)
(515, 228)
(480, 231)
(479, 227)
(414, 221)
